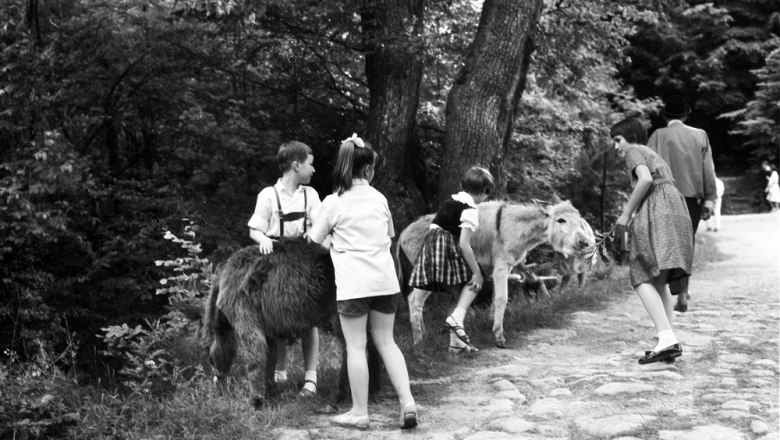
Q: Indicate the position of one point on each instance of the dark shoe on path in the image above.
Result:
(670, 352)
(666, 361)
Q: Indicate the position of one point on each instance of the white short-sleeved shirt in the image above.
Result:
(266, 216)
(361, 228)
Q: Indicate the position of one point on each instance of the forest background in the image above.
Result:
(135, 135)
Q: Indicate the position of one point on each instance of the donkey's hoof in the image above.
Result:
(500, 344)
(257, 402)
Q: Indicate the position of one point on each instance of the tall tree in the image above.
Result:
(483, 100)
(759, 121)
(394, 66)
(704, 50)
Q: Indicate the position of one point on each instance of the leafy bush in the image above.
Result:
(148, 363)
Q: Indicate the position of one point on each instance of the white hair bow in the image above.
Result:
(356, 140)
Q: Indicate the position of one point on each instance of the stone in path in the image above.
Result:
(548, 407)
(614, 388)
(512, 425)
(612, 425)
(709, 432)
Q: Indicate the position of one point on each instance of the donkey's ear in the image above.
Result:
(556, 199)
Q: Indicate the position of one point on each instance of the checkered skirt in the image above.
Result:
(440, 262)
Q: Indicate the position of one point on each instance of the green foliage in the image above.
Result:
(705, 52)
(759, 121)
(148, 352)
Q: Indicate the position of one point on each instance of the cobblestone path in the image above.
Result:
(583, 381)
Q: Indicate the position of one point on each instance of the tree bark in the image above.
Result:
(394, 66)
(483, 100)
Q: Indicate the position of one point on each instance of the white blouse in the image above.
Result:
(361, 227)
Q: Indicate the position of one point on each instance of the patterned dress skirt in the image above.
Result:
(661, 236)
(440, 263)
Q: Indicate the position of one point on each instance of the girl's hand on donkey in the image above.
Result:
(476, 282)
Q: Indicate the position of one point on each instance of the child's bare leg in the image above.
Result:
(662, 288)
(455, 320)
(657, 310)
(310, 342)
(467, 296)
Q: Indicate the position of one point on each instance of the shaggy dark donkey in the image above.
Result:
(257, 298)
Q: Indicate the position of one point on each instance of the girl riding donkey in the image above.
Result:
(446, 261)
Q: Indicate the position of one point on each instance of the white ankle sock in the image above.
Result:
(665, 339)
(459, 314)
(280, 376)
(310, 375)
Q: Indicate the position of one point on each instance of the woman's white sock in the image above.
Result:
(665, 339)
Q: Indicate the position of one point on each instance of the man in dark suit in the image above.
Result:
(688, 153)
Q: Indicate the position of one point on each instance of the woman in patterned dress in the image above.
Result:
(661, 247)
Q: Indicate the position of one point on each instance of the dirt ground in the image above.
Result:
(583, 381)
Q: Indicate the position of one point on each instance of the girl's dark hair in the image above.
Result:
(477, 180)
(354, 155)
(631, 129)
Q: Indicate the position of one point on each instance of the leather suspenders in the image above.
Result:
(291, 216)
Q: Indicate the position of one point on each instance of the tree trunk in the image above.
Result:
(394, 65)
(482, 102)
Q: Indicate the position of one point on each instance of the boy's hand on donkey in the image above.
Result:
(266, 245)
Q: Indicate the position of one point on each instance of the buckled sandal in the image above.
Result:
(459, 331)
(348, 420)
(458, 350)
(307, 391)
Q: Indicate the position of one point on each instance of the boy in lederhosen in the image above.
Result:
(285, 210)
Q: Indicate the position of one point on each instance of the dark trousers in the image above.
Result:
(694, 209)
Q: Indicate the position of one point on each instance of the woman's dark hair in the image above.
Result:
(631, 129)
(354, 156)
(477, 180)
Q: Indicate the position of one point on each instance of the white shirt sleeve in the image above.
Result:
(325, 218)
(261, 218)
(469, 218)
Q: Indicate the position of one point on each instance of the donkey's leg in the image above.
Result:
(565, 280)
(581, 278)
(416, 303)
(500, 297)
